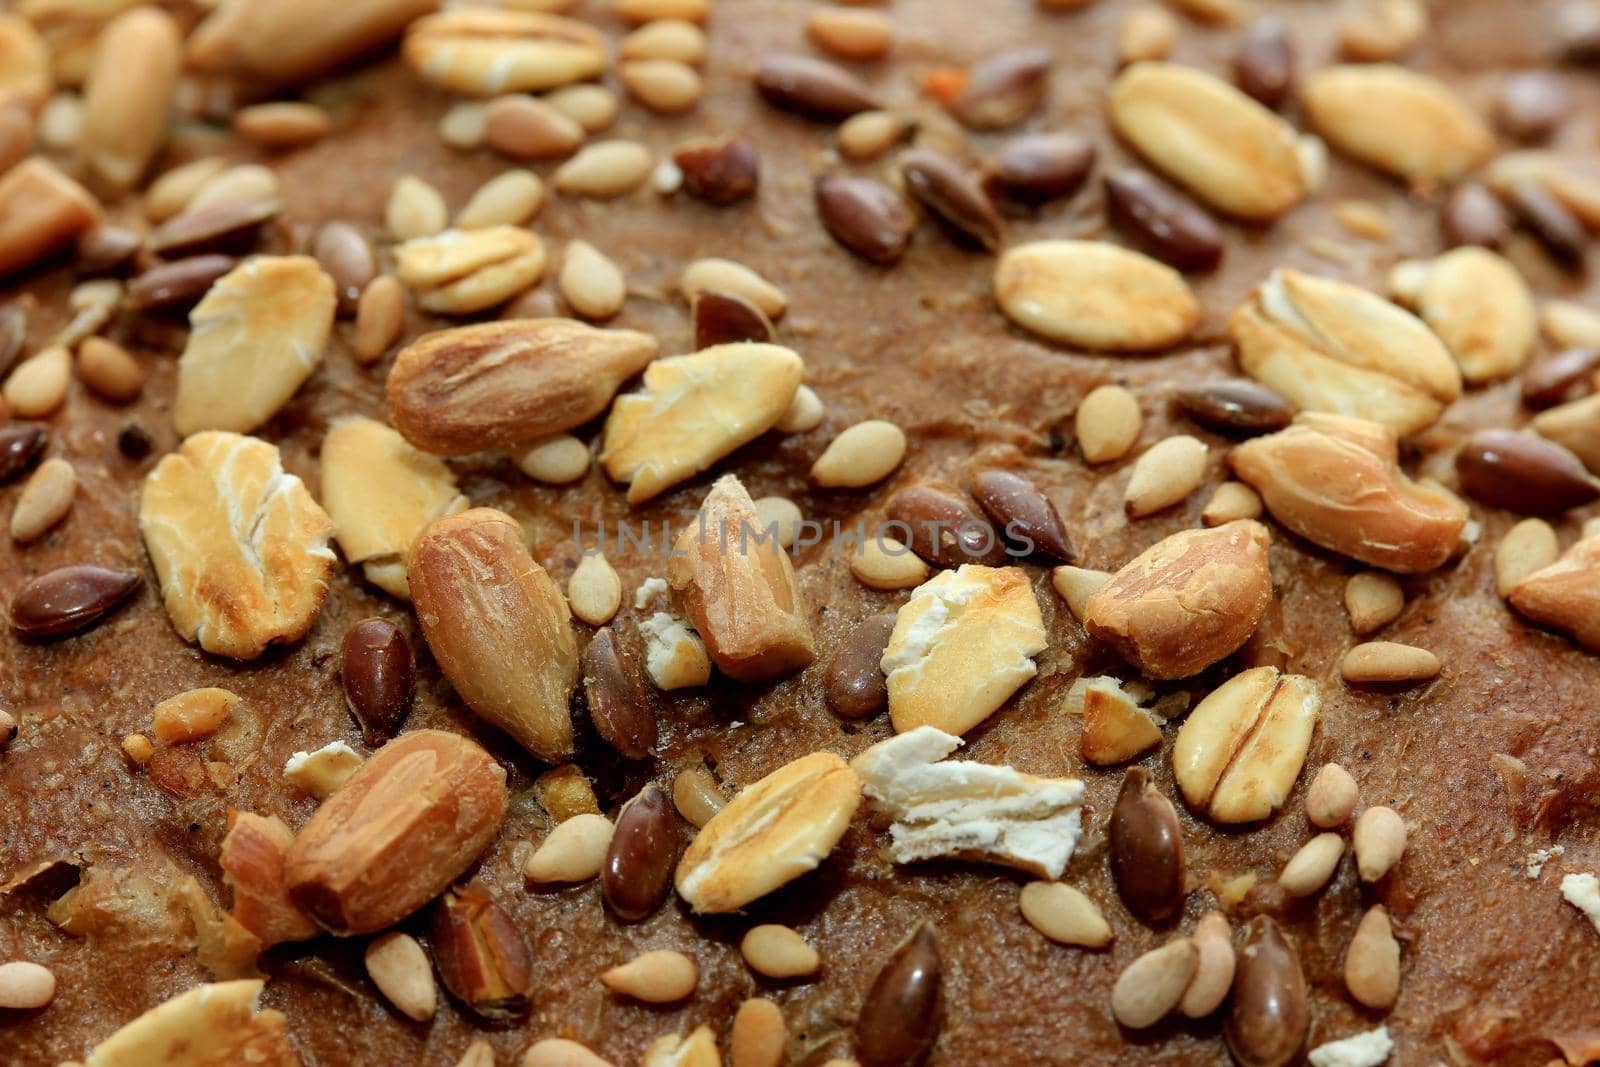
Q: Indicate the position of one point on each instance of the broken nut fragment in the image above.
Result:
(1187, 601)
(772, 832)
(1093, 294)
(739, 589)
(498, 626)
(191, 716)
(322, 772)
(961, 645)
(1566, 594)
(1240, 750)
(1337, 482)
(213, 1023)
(458, 272)
(1115, 727)
(481, 51)
(252, 862)
(42, 211)
(482, 955)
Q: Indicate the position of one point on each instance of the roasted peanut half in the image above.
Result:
(1241, 749)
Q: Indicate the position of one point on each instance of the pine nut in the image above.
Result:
(109, 371)
(591, 282)
(1063, 913)
(25, 986)
(1388, 662)
(1107, 423)
(399, 968)
(1213, 974)
(1146, 33)
(594, 592)
(1372, 963)
(572, 852)
(170, 194)
(658, 977)
(778, 952)
(654, 10)
(479, 1054)
(663, 85)
(250, 183)
(1379, 839)
(1528, 546)
(805, 413)
(283, 124)
(593, 107)
(44, 501)
(1374, 599)
(8, 727)
(465, 126)
(192, 715)
(886, 564)
(524, 127)
(851, 34)
(1076, 585)
(605, 170)
(727, 276)
(1168, 471)
(380, 317)
(559, 459)
(782, 515)
(61, 122)
(138, 748)
(559, 1052)
(759, 1035)
(1332, 797)
(128, 95)
(666, 39)
(865, 453)
(1309, 869)
(1151, 986)
(1230, 501)
(415, 209)
(508, 199)
(38, 386)
(696, 795)
(870, 134)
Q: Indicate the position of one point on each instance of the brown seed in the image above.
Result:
(1548, 219)
(108, 370)
(227, 225)
(621, 706)
(813, 87)
(955, 199)
(1474, 216)
(1264, 65)
(378, 672)
(178, 285)
(720, 171)
(20, 449)
(482, 956)
(1237, 407)
(1551, 381)
(69, 599)
(1004, 89)
(864, 215)
(943, 528)
(1523, 472)
(1267, 1015)
(347, 257)
(1041, 166)
(900, 1018)
(643, 853)
(1026, 517)
(13, 334)
(855, 684)
(1533, 104)
(1146, 848)
(722, 317)
(106, 248)
(1163, 221)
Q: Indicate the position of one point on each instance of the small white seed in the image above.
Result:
(1332, 797)
(1213, 974)
(591, 282)
(25, 986)
(169, 194)
(780, 514)
(674, 39)
(1168, 471)
(886, 564)
(1374, 600)
(380, 318)
(479, 1054)
(1107, 423)
(1372, 963)
(1153, 984)
(1309, 869)
(1528, 546)
(525, 127)
(605, 169)
(45, 499)
(282, 123)
(663, 85)
(572, 852)
(658, 977)
(592, 107)
(778, 952)
(696, 795)
(805, 412)
(38, 385)
(559, 1052)
(508, 199)
(465, 125)
(1076, 585)
(415, 209)
(870, 134)
(250, 183)
(1063, 913)
(865, 453)
(1379, 840)
(1388, 663)
(399, 968)
(594, 592)
(559, 459)
(109, 371)
(1231, 501)
(1147, 33)
(736, 278)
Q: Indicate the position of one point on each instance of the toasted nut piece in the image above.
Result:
(381, 493)
(697, 796)
(483, 957)
(1107, 423)
(772, 832)
(694, 410)
(1115, 727)
(1214, 973)
(1240, 750)
(1386, 662)
(25, 986)
(1528, 547)
(1374, 600)
(1168, 471)
(758, 1036)
(1428, 135)
(1330, 346)
(594, 592)
(483, 52)
(1076, 585)
(129, 93)
(1227, 149)
(559, 459)
(1309, 869)
(1152, 985)
(45, 499)
(220, 1022)
(524, 127)
(1332, 797)
(591, 282)
(191, 716)
(1372, 963)
(504, 384)
(1062, 913)
(26, 80)
(508, 199)
(459, 272)
(321, 773)
(401, 971)
(1092, 294)
(1379, 840)
(239, 545)
(604, 170)
(137, 747)
(399, 831)
(565, 793)
(780, 515)
(739, 589)
(1267, 1011)
(862, 454)
(659, 977)
(1230, 502)
(1147, 32)
(1337, 482)
(1187, 601)
(498, 626)
(1480, 307)
(967, 809)
(554, 1052)
(962, 644)
(41, 212)
(676, 39)
(252, 859)
(699, 1049)
(778, 952)
(724, 275)
(675, 657)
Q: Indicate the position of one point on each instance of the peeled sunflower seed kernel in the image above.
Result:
(780, 515)
(659, 977)
(1379, 840)
(1386, 662)
(1527, 547)
(955, 199)
(380, 319)
(479, 51)
(813, 87)
(804, 414)
(1428, 135)
(1062, 913)
(772, 832)
(1213, 976)
(397, 833)
(901, 1016)
(1240, 751)
(593, 107)
(1373, 600)
(778, 952)
(282, 124)
(482, 956)
(378, 673)
(653, 10)
(505, 384)
(38, 385)
(69, 599)
(1076, 585)
(1165, 474)
(1332, 797)
(1309, 869)
(459, 272)
(1146, 846)
(1337, 482)
(414, 209)
(759, 1036)
(1091, 294)
(662, 85)
(865, 216)
(25, 986)
(1150, 987)
(870, 134)
(644, 848)
(1380, 30)
(621, 708)
(851, 33)
(1267, 1011)
(399, 967)
(45, 500)
(1372, 962)
(1231, 501)
(1523, 472)
(524, 127)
